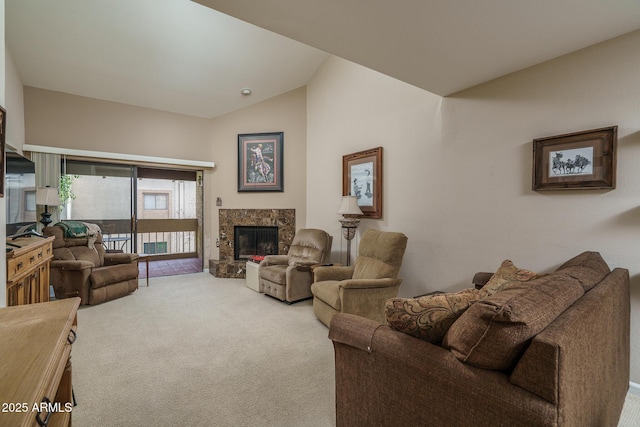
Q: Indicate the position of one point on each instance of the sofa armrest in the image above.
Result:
(71, 265)
(303, 265)
(71, 279)
(274, 260)
(369, 283)
(385, 377)
(333, 273)
(120, 258)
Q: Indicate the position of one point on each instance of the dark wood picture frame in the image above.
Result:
(576, 161)
(362, 177)
(3, 132)
(260, 161)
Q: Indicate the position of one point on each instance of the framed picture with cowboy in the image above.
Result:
(260, 162)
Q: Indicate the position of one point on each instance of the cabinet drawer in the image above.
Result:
(22, 263)
(15, 266)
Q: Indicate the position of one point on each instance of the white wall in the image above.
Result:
(13, 101)
(14, 104)
(285, 113)
(457, 170)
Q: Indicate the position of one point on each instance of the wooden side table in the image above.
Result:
(145, 258)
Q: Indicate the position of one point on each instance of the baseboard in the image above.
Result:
(634, 388)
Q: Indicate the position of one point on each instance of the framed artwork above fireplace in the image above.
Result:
(260, 162)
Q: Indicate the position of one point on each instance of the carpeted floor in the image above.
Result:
(195, 350)
(631, 412)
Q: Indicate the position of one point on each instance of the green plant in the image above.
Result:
(65, 191)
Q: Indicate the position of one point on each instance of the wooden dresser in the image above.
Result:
(28, 266)
(35, 373)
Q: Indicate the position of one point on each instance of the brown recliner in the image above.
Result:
(80, 267)
(288, 277)
(362, 288)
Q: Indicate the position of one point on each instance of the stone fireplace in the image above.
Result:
(227, 266)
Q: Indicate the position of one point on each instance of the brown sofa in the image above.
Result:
(81, 267)
(573, 372)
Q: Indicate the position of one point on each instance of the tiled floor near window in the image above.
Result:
(170, 267)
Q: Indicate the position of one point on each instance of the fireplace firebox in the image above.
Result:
(252, 240)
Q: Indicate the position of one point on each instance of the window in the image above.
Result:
(30, 201)
(157, 202)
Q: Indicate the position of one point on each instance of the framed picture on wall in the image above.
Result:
(260, 162)
(3, 131)
(362, 177)
(576, 161)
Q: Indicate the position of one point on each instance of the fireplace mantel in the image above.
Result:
(284, 219)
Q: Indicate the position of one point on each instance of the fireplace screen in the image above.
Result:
(254, 240)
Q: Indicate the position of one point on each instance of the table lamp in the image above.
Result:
(47, 196)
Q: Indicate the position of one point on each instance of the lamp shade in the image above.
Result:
(47, 196)
(349, 206)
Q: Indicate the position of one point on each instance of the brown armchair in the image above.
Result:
(363, 288)
(288, 277)
(80, 267)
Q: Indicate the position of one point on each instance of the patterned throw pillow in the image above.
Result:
(428, 317)
(507, 274)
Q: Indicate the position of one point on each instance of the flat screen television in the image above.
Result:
(20, 194)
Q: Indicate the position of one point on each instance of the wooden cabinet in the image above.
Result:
(28, 269)
(35, 385)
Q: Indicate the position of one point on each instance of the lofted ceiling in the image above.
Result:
(170, 55)
(180, 56)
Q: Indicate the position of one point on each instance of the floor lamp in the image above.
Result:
(350, 212)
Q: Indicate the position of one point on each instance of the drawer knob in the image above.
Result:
(72, 336)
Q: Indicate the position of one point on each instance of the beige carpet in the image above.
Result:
(630, 412)
(195, 350)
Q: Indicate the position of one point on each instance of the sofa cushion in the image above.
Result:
(104, 276)
(494, 331)
(588, 268)
(428, 317)
(506, 274)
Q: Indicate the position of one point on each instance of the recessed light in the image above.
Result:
(246, 91)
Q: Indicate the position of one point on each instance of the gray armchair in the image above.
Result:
(288, 277)
(362, 288)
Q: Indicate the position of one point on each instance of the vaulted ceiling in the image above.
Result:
(194, 57)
